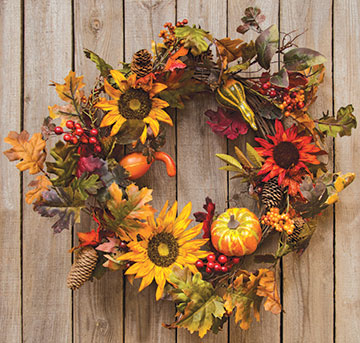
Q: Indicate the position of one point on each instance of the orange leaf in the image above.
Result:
(41, 184)
(229, 49)
(71, 87)
(174, 63)
(30, 152)
(89, 238)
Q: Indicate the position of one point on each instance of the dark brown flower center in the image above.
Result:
(163, 249)
(286, 155)
(134, 104)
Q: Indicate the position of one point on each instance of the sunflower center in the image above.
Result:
(163, 249)
(286, 155)
(134, 104)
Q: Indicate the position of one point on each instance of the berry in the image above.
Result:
(199, 264)
(67, 137)
(236, 260)
(293, 95)
(208, 270)
(289, 108)
(84, 140)
(94, 132)
(262, 91)
(300, 105)
(211, 258)
(217, 267)
(74, 140)
(222, 259)
(266, 85)
(79, 131)
(272, 93)
(185, 21)
(92, 140)
(122, 245)
(211, 265)
(58, 130)
(97, 149)
(78, 126)
(224, 269)
(70, 124)
(287, 114)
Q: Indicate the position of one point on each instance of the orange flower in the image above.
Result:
(132, 101)
(286, 156)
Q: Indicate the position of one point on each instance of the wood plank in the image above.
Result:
(46, 261)
(198, 173)
(10, 188)
(308, 280)
(144, 315)
(268, 329)
(98, 306)
(347, 235)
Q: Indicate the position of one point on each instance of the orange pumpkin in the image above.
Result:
(236, 232)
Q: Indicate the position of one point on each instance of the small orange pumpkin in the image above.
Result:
(236, 232)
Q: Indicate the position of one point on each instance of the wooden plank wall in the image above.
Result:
(41, 41)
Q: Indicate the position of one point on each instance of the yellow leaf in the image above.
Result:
(343, 181)
(30, 152)
(71, 87)
(41, 184)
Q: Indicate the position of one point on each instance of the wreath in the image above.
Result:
(199, 268)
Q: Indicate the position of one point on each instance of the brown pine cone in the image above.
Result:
(82, 268)
(142, 64)
(272, 194)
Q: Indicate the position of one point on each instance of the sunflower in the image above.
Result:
(286, 156)
(132, 101)
(163, 245)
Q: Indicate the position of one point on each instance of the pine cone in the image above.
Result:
(82, 268)
(272, 194)
(295, 236)
(142, 64)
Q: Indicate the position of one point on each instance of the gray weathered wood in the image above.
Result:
(46, 261)
(10, 191)
(347, 234)
(143, 314)
(98, 306)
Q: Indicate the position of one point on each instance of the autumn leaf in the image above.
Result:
(267, 289)
(302, 58)
(71, 88)
(30, 152)
(266, 45)
(41, 184)
(89, 238)
(194, 39)
(101, 65)
(228, 49)
(174, 63)
(199, 307)
(110, 245)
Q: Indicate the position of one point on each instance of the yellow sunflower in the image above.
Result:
(165, 243)
(133, 102)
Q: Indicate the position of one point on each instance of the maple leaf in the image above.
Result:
(110, 245)
(246, 294)
(66, 112)
(206, 217)
(199, 307)
(174, 63)
(228, 50)
(127, 214)
(41, 184)
(71, 88)
(30, 152)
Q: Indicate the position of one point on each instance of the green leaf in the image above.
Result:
(238, 67)
(266, 45)
(100, 63)
(65, 164)
(254, 157)
(130, 131)
(86, 186)
(302, 58)
(248, 51)
(230, 160)
(198, 303)
(280, 79)
(194, 39)
(341, 124)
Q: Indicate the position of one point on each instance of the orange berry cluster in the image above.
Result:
(280, 222)
(169, 36)
(292, 101)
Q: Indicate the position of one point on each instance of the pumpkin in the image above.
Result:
(236, 232)
(137, 165)
(232, 95)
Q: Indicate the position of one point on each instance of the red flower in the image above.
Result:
(286, 156)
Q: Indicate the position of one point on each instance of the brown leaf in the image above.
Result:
(41, 184)
(267, 288)
(30, 152)
(230, 50)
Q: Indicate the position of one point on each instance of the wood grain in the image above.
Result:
(308, 280)
(143, 314)
(10, 188)
(98, 306)
(46, 261)
(199, 175)
(347, 219)
(268, 329)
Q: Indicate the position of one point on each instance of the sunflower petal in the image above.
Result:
(156, 88)
(114, 93)
(120, 80)
(107, 105)
(154, 124)
(161, 115)
(146, 281)
(115, 129)
(159, 103)
(143, 135)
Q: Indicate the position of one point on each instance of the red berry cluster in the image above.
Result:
(169, 36)
(79, 135)
(220, 264)
(268, 89)
(292, 101)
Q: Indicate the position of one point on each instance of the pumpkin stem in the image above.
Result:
(233, 223)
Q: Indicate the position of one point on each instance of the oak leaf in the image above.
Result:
(71, 88)
(30, 152)
(41, 184)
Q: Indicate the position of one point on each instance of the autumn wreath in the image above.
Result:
(87, 171)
